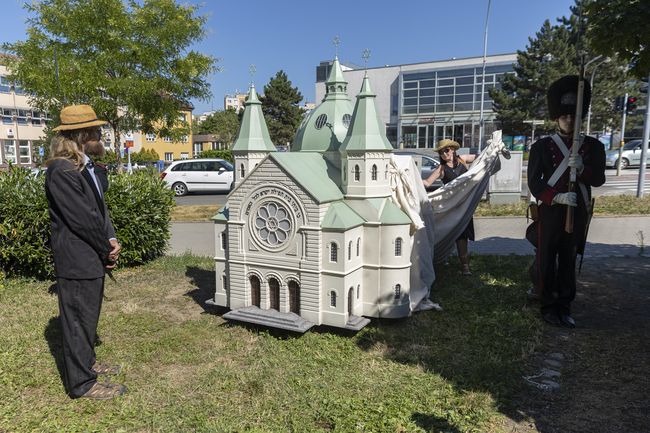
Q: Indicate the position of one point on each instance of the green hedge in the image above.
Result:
(140, 207)
(222, 154)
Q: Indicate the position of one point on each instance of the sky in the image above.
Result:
(296, 35)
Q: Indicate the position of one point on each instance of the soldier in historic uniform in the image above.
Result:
(548, 181)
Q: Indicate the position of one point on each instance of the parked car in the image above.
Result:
(426, 163)
(199, 175)
(631, 155)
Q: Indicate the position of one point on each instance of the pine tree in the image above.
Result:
(281, 110)
(551, 54)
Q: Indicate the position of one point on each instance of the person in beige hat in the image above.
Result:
(84, 247)
(451, 166)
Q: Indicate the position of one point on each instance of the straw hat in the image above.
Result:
(443, 144)
(78, 117)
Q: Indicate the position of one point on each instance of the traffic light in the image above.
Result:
(630, 106)
(618, 103)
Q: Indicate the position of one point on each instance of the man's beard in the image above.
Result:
(94, 148)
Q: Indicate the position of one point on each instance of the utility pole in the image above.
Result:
(481, 121)
(620, 149)
(644, 146)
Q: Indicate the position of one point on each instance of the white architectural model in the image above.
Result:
(311, 236)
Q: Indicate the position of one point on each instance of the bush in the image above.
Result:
(222, 154)
(24, 224)
(140, 207)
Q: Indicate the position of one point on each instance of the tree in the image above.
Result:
(551, 54)
(621, 28)
(129, 60)
(280, 105)
(224, 124)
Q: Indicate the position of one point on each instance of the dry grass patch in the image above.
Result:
(194, 213)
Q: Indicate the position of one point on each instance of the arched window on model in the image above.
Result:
(332, 298)
(224, 280)
(334, 253)
(398, 291)
(224, 241)
(358, 290)
(373, 172)
(358, 246)
(350, 250)
(398, 247)
(242, 171)
(357, 173)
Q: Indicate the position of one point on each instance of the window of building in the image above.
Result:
(358, 291)
(224, 241)
(169, 156)
(398, 247)
(224, 281)
(334, 253)
(5, 84)
(150, 137)
(9, 148)
(242, 171)
(167, 139)
(373, 172)
(398, 291)
(358, 246)
(349, 250)
(332, 298)
(321, 121)
(25, 154)
(185, 155)
(197, 148)
(357, 173)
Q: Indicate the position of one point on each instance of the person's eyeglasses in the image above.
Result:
(447, 150)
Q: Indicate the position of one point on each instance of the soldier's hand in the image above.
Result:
(566, 198)
(575, 161)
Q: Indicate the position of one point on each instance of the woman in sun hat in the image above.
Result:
(451, 166)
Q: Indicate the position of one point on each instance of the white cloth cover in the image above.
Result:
(454, 204)
(409, 194)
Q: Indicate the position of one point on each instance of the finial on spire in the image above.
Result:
(336, 41)
(251, 71)
(365, 55)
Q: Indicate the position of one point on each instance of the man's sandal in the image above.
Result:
(104, 391)
(107, 369)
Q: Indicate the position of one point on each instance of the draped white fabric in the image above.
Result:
(409, 194)
(454, 204)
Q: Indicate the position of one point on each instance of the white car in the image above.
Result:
(193, 175)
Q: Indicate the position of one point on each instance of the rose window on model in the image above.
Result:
(273, 224)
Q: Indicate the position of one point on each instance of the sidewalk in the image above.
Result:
(627, 236)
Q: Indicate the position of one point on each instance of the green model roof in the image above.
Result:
(392, 215)
(325, 128)
(340, 217)
(366, 129)
(253, 134)
(310, 170)
(222, 215)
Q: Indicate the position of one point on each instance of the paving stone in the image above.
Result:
(549, 372)
(553, 363)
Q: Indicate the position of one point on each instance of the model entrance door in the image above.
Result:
(274, 294)
(294, 297)
(255, 290)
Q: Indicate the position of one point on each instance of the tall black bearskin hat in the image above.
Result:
(563, 94)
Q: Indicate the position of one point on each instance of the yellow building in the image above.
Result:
(166, 148)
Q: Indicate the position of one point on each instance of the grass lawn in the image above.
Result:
(189, 370)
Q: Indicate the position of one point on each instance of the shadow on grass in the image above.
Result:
(204, 281)
(480, 342)
(54, 337)
(433, 423)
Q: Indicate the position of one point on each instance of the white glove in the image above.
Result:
(567, 198)
(576, 161)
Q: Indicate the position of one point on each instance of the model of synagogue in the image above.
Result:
(334, 232)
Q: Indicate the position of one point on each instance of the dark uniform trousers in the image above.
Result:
(79, 305)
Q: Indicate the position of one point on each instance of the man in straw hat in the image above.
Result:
(84, 247)
(548, 181)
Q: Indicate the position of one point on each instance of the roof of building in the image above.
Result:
(253, 134)
(310, 170)
(326, 126)
(340, 217)
(366, 131)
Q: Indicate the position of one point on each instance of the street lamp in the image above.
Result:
(591, 85)
(485, 37)
(533, 123)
